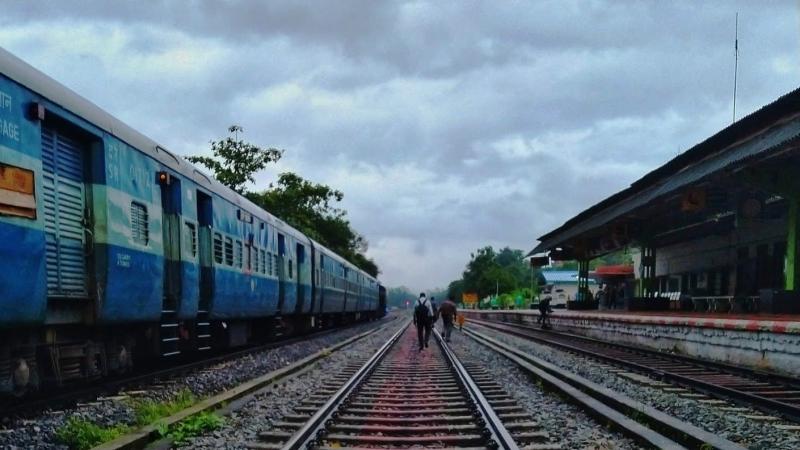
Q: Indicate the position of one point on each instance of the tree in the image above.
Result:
(307, 206)
(503, 272)
(235, 161)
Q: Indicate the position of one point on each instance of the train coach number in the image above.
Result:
(123, 260)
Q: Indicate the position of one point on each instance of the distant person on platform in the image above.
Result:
(448, 312)
(620, 298)
(544, 312)
(423, 319)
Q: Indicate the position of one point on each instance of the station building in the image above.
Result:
(715, 229)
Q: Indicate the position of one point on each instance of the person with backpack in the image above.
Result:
(423, 319)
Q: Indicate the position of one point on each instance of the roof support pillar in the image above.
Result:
(583, 280)
(791, 280)
(647, 272)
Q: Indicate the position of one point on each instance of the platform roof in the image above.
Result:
(765, 133)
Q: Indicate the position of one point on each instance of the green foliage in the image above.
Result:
(489, 272)
(149, 411)
(309, 207)
(79, 434)
(305, 205)
(235, 161)
(192, 426)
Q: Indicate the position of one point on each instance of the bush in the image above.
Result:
(79, 434)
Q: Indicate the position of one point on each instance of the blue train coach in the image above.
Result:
(113, 250)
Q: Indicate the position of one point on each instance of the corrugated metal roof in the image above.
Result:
(561, 276)
(771, 127)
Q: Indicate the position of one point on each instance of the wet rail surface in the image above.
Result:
(410, 398)
(772, 393)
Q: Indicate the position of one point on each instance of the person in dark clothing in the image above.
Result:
(620, 297)
(544, 311)
(448, 313)
(423, 320)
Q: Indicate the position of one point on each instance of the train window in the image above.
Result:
(190, 239)
(218, 248)
(252, 258)
(275, 264)
(238, 255)
(263, 259)
(269, 263)
(139, 225)
(291, 275)
(228, 251)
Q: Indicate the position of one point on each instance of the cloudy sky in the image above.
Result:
(449, 125)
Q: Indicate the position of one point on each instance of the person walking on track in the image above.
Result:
(423, 320)
(448, 313)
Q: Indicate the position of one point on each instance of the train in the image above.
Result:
(115, 251)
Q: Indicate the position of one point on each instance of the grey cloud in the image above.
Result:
(406, 106)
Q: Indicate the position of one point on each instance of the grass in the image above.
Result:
(149, 411)
(191, 426)
(79, 434)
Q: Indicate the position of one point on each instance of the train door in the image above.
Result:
(281, 274)
(66, 214)
(171, 237)
(300, 256)
(206, 252)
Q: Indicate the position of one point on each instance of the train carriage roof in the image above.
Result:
(26, 75)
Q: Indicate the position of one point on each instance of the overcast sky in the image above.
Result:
(448, 125)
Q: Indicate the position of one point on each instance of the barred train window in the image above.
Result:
(238, 257)
(263, 261)
(269, 263)
(218, 248)
(139, 224)
(228, 251)
(275, 263)
(190, 239)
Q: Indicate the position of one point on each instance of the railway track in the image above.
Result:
(71, 395)
(401, 397)
(771, 393)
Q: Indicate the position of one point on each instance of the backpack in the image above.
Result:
(421, 312)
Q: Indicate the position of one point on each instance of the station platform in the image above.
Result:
(763, 341)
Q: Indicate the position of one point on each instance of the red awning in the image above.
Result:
(610, 271)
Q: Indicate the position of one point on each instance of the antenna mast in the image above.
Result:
(735, 64)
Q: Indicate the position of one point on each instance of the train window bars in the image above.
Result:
(228, 251)
(238, 257)
(140, 230)
(190, 239)
(263, 261)
(218, 248)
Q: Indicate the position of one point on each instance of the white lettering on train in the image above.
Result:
(5, 101)
(9, 130)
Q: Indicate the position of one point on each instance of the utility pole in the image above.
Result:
(735, 64)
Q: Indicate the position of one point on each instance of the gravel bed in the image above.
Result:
(258, 415)
(40, 432)
(730, 425)
(566, 423)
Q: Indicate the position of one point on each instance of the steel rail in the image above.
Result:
(611, 407)
(500, 435)
(786, 410)
(310, 431)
